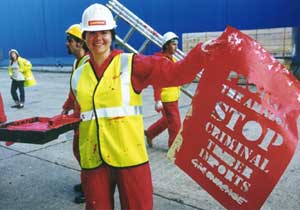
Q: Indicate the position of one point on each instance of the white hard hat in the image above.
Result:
(13, 50)
(169, 36)
(97, 17)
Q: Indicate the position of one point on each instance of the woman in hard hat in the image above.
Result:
(2, 113)
(19, 70)
(166, 99)
(111, 132)
(76, 46)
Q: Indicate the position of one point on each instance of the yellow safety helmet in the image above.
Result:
(75, 30)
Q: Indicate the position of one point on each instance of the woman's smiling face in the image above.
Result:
(99, 42)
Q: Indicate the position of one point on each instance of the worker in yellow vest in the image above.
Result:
(166, 99)
(19, 71)
(77, 47)
(111, 132)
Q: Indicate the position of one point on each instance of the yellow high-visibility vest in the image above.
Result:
(170, 94)
(83, 60)
(111, 129)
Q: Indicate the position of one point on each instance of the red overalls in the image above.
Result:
(2, 113)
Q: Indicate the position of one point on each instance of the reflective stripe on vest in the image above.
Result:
(82, 61)
(74, 79)
(125, 80)
(112, 112)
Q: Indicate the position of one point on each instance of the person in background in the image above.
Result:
(111, 132)
(76, 47)
(166, 99)
(2, 113)
(19, 70)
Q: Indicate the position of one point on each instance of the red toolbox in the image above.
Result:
(37, 130)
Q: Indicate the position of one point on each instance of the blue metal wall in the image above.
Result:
(36, 27)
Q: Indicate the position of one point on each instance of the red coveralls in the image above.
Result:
(135, 183)
(70, 104)
(170, 115)
(2, 113)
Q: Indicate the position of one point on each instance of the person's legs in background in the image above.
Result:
(156, 128)
(173, 118)
(13, 92)
(22, 93)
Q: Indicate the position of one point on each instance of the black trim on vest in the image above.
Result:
(100, 76)
(70, 83)
(96, 117)
(94, 70)
(106, 164)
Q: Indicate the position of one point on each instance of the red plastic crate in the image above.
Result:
(37, 130)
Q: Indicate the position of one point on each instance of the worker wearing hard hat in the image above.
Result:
(19, 70)
(76, 46)
(111, 133)
(2, 113)
(166, 98)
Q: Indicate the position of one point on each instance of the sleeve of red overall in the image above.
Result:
(69, 103)
(160, 72)
(2, 113)
(157, 92)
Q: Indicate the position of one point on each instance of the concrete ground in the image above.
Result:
(41, 177)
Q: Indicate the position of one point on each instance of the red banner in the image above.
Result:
(237, 140)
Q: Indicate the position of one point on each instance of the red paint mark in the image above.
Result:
(95, 148)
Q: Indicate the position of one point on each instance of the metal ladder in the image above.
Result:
(136, 24)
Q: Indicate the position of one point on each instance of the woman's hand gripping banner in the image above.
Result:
(237, 140)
